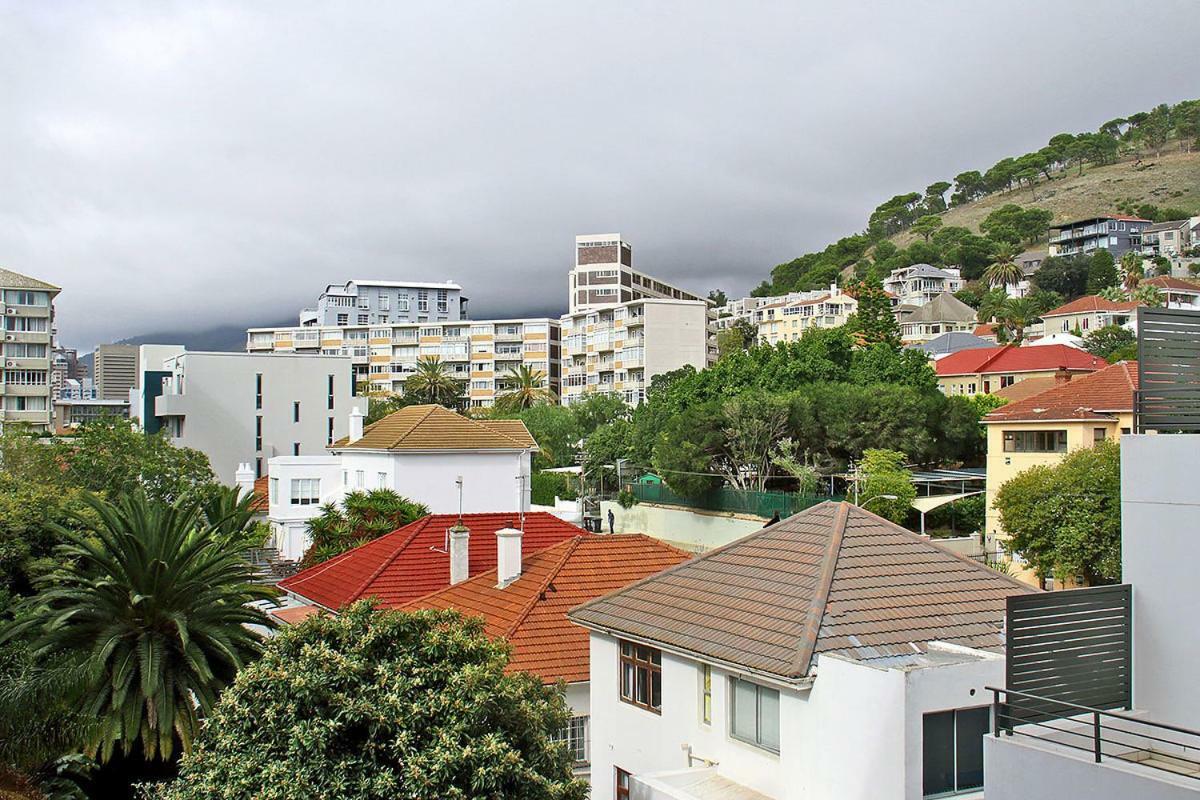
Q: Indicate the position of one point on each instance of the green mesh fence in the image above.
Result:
(763, 504)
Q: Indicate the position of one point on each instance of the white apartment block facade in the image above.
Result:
(603, 275)
(28, 310)
(248, 407)
(617, 350)
(363, 302)
(788, 320)
(480, 353)
(919, 284)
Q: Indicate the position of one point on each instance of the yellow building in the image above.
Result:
(1044, 427)
(1088, 314)
(988, 369)
(788, 320)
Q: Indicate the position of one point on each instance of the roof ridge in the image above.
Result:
(1004, 348)
(487, 424)
(428, 412)
(569, 550)
(419, 527)
(820, 598)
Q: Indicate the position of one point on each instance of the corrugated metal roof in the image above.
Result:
(831, 579)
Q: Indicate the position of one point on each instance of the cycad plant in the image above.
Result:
(432, 383)
(525, 387)
(152, 606)
(231, 516)
(362, 516)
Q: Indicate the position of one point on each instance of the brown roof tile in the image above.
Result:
(432, 427)
(1096, 395)
(832, 579)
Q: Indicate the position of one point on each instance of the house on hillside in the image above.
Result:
(427, 453)
(1176, 292)
(831, 655)
(919, 284)
(985, 370)
(1169, 239)
(525, 600)
(1041, 428)
(787, 320)
(1117, 235)
(1090, 313)
(944, 314)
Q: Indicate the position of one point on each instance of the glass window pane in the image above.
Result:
(938, 753)
(643, 689)
(768, 718)
(972, 725)
(627, 681)
(744, 711)
(656, 690)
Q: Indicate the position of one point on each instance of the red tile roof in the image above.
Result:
(1169, 282)
(1010, 358)
(531, 612)
(1098, 395)
(261, 494)
(985, 329)
(411, 562)
(1093, 302)
(294, 615)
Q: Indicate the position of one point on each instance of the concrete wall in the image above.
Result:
(684, 528)
(676, 335)
(289, 528)
(492, 481)
(1160, 521)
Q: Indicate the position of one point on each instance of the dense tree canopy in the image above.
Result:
(359, 518)
(374, 705)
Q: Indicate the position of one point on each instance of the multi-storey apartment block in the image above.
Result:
(617, 350)
(28, 310)
(788, 319)
(360, 302)
(1117, 235)
(604, 275)
(480, 353)
(919, 284)
(116, 367)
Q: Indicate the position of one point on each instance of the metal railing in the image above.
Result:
(1103, 734)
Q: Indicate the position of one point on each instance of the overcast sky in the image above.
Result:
(201, 163)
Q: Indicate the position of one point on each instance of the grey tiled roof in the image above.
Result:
(831, 579)
(943, 308)
(951, 343)
(15, 280)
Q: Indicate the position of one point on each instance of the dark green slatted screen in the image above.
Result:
(1168, 397)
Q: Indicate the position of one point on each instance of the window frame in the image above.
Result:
(622, 792)
(706, 694)
(305, 492)
(957, 791)
(759, 689)
(1010, 440)
(629, 657)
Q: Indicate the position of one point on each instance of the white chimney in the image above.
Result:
(244, 478)
(459, 564)
(508, 556)
(356, 424)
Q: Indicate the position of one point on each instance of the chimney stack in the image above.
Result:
(508, 556)
(356, 425)
(459, 562)
(244, 478)
(1061, 375)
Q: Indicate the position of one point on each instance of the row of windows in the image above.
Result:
(25, 297)
(24, 350)
(27, 324)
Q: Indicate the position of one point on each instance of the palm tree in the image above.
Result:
(992, 304)
(1131, 266)
(1147, 296)
(1113, 293)
(153, 607)
(432, 383)
(1017, 315)
(1003, 270)
(525, 387)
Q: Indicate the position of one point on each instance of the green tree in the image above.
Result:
(992, 304)
(751, 426)
(873, 321)
(1067, 275)
(1102, 271)
(433, 383)
(556, 430)
(926, 226)
(524, 387)
(882, 472)
(361, 517)
(375, 705)
(1112, 343)
(883, 363)
(385, 404)
(717, 297)
(1132, 270)
(232, 517)
(153, 608)
(684, 452)
(1065, 519)
(1015, 316)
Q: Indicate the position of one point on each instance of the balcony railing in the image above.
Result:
(1102, 734)
(1168, 396)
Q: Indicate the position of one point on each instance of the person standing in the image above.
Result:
(612, 521)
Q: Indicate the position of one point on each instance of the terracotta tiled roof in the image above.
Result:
(1093, 302)
(1169, 282)
(410, 562)
(1010, 358)
(1096, 396)
(294, 615)
(832, 579)
(531, 612)
(432, 427)
(1025, 388)
(986, 329)
(262, 497)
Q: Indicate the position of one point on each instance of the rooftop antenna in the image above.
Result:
(445, 548)
(459, 483)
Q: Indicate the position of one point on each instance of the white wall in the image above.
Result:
(691, 530)
(490, 479)
(676, 335)
(1160, 523)
(289, 522)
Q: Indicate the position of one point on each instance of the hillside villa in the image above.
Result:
(1090, 313)
(943, 314)
(985, 370)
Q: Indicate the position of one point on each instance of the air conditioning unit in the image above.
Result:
(8, 337)
(10, 363)
(10, 311)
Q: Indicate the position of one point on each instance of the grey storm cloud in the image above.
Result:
(186, 165)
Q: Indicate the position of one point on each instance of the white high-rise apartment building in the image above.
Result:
(363, 302)
(28, 311)
(247, 407)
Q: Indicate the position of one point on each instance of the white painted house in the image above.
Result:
(426, 453)
(831, 655)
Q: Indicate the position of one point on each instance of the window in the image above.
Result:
(273, 491)
(258, 434)
(624, 783)
(258, 473)
(25, 403)
(575, 734)
(1099, 434)
(258, 390)
(306, 491)
(24, 350)
(1035, 441)
(381, 480)
(706, 694)
(385, 302)
(20, 297)
(296, 411)
(360, 479)
(329, 404)
(641, 676)
(343, 319)
(364, 319)
(1006, 380)
(329, 432)
(26, 324)
(952, 750)
(295, 448)
(754, 714)
(422, 300)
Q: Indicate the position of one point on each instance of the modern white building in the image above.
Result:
(370, 302)
(151, 369)
(831, 655)
(919, 284)
(246, 408)
(604, 276)
(617, 350)
(427, 453)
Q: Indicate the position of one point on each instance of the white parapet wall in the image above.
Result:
(685, 528)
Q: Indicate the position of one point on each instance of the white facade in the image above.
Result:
(370, 302)
(244, 407)
(854, 733)
(919, 284)
(604, 276)
(151, 358)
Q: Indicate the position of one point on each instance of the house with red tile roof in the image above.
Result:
(1176, 292)
(1043, 427)
(526, 602)
(987, 369)
(1089, 313)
